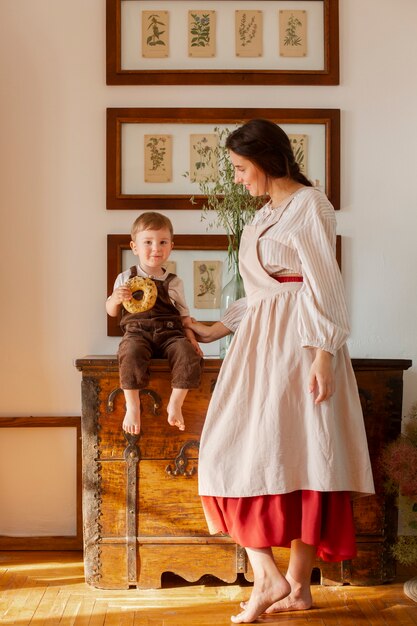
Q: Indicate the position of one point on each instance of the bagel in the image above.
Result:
(144, 294)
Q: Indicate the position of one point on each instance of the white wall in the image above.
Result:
(52, 189)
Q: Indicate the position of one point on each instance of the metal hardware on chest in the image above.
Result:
(110, 399)
(132, 456)
(142, 392)
(157, 402)
(181, 461)
(240, 559)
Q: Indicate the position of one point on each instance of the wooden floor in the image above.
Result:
(48, 588)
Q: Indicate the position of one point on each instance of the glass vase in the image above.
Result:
(232, 291)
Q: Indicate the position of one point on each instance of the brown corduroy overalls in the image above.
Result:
(157, 332)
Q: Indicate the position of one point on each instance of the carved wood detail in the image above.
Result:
(91, 479)
(132, 458)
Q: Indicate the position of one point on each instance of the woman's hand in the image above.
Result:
(322, 380)
(206, 333)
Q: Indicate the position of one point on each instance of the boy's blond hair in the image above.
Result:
(151, 221)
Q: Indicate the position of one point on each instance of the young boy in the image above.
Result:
(157, 330)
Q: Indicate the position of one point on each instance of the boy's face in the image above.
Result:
(152, 247)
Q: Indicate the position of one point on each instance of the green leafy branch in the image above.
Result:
(228, 206)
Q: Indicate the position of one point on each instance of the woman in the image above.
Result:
(283, 448)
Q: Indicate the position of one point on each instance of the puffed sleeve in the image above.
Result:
(233, 314)
(323, 316)
(120, 280)
(177, 296)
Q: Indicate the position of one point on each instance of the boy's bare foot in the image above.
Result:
(175, 416)
(131, 422)
(267, 594)
(174, 408)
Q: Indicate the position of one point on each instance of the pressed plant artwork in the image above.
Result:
(248, 33)
(200, 30)
(158, 158)
(299, 145)
(155, 31)
(293, 33)
(203, 161)
(207, 284)
(201, 33)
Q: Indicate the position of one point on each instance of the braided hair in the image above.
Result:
(266, 145)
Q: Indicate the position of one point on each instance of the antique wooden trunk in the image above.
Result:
(141, 512)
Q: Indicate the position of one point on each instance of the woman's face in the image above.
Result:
(249, 175)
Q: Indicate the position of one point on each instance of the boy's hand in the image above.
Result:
(120, 294)
(201, 331)
(187, 323)
(196, 347)
(193, 342)
(114, 302)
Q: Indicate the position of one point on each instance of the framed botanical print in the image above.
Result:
(151, 151)
(190, 42)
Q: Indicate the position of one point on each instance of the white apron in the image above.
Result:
(263, 433)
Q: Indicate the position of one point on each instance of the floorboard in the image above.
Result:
(48, 589)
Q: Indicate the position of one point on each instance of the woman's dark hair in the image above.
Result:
(266, 145)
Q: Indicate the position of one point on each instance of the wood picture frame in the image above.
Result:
(229, 69)
(126, 128)
(117, 244)
(53, 542)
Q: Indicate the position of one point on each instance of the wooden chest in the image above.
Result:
(141, 512)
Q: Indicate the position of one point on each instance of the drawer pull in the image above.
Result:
(110, 399)
(143, 392)
(181, 461)
(157, 402)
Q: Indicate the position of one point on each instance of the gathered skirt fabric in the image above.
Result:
(321, 519)
(264, 434)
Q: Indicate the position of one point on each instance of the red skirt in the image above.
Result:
(324, 520)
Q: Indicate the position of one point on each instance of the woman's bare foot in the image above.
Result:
(298, 600)
(264, 595)
(131, 422)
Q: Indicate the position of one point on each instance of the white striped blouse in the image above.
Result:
(303, 241)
